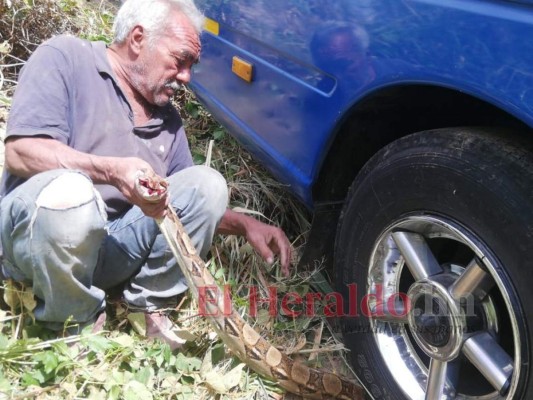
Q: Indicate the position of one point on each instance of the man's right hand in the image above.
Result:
(124, 173)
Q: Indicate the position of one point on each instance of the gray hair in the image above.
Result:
(152, 15)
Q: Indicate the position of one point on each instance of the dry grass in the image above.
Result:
(120, 363)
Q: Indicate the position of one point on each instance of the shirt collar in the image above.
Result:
(104, 67)
(100, 58)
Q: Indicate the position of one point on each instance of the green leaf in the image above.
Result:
(192, 109)
(28, 380)
(218, 353)
(220, 273)
(160, 358)
(120, 377)
(186, 364)
(48, 359)
(7, 102)
(198, 158)
(114, 392)
(138, 322)
(144, 375)
(219, 134)
(4, 342)
(5, 384)
(36, 377)
(97, 343)
(167, 354)
(186, 393)
(135, 390)
(124, 340)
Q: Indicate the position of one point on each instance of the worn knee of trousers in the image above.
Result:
(66, 196)
(71, 189)
(53, 236)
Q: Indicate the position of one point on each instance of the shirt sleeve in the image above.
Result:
(41, 101)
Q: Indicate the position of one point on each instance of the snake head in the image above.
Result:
(150, 187)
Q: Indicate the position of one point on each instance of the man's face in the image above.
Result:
(162, 68)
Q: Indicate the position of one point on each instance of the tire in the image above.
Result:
(442, 222)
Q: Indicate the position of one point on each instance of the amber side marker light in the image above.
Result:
(211, 26)
(243, 69)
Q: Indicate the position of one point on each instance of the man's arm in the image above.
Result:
(27, 156)
(267, 240)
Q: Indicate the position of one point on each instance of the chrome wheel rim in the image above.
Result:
(443, 324)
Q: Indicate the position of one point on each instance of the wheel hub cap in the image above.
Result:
(436, 319)
(433, 325)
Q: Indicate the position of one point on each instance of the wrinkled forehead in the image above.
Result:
(183, 36)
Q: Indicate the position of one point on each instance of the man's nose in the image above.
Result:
(184, 75)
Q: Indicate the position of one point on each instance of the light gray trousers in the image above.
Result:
(56, 236)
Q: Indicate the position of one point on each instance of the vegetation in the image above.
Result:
(120, 363)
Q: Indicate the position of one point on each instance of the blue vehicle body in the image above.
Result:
(302, 92)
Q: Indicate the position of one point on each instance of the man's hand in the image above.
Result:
(267, 240)
(124, 175)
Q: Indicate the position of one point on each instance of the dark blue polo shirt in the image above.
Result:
(67, 91)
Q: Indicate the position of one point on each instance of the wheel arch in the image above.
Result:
(375, 121)
(389, 114)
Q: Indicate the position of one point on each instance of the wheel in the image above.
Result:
(433, 253)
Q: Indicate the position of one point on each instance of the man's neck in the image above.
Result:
(142, 110)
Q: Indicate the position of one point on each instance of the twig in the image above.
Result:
(209, 153)
(15, 361)
(5, 319)
(11, 65)
(183, 299)
(19, 326)
(16, 58)
(330, 349)
(35, 393)
(317, 340)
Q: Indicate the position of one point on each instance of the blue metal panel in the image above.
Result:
(315, 59)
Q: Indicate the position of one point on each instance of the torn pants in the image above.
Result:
(56, 236)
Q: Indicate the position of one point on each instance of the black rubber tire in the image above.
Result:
(480, 178)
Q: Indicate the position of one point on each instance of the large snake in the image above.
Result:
(234, 331)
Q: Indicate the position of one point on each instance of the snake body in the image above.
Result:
(235, 332)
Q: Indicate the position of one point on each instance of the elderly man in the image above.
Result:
(85, 119)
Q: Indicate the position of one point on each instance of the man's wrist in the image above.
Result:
(234, 223)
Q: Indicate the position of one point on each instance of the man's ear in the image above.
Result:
(137, 39)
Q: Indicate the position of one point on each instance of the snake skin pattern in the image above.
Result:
(234, 331)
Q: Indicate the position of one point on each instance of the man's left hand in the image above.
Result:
(267, 240)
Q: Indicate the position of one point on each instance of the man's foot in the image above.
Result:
(160, 326)
(98, 325)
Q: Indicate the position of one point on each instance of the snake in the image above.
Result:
(241, 338)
